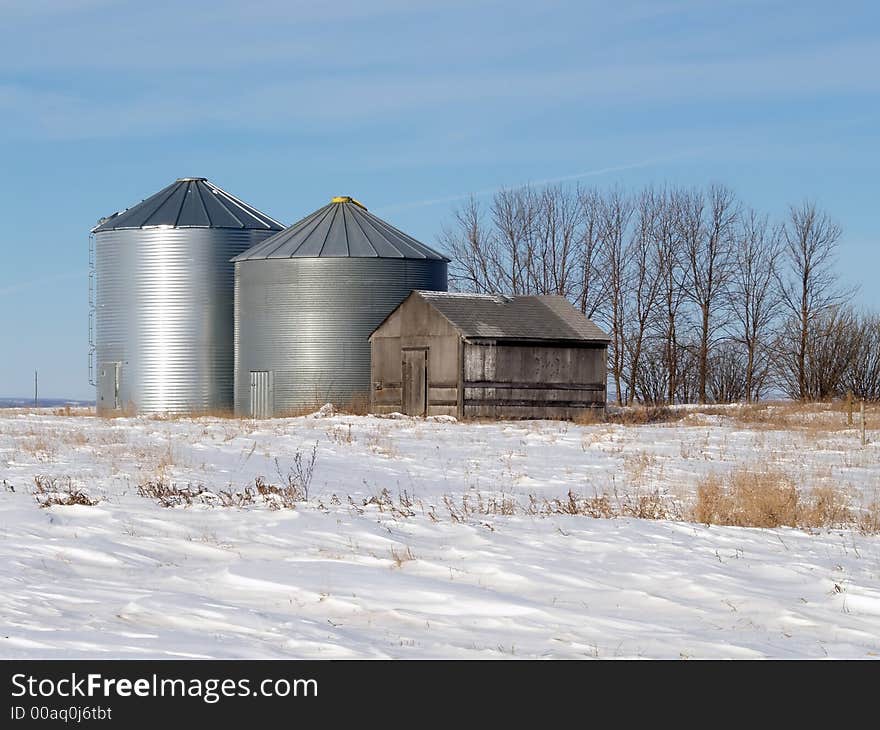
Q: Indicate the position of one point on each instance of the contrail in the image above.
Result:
(548, 181)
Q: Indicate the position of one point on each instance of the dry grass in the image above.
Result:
(296, 481)
(379, 441)
(76, 438)
(39, 447)
(224, 414)
(653, 505)
(300, 411)
(641, 415)
(475, 506)
(230, 415)
(813, 418)
(868, 519)
(340, 433)
(52, 491)
(771, 495)
(171, 495)
(72, 411)
(404, 506)
(638, 466)
(590, 417)
(401, 556)
(743, 499)
(825, 507)
(358, 405)
(298, 476)
(767, 497)
(747, 499)
(43, 441)
(157, 457)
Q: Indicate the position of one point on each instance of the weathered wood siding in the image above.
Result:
(532, 381)
(415, 325)
(486, 379)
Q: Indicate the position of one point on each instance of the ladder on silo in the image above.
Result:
(92, 307)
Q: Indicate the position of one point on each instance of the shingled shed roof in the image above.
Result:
(498, 317)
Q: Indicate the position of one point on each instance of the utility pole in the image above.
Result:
(36, 392)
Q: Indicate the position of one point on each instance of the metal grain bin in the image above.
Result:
(306, 300)
(163, 288)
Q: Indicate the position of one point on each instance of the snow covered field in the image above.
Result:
(422, 570)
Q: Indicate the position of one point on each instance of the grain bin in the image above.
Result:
(163, 287)
(306, 300)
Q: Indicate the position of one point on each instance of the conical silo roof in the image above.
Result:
(190, 202)
(342, 229)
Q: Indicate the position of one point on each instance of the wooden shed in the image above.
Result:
(487, 356)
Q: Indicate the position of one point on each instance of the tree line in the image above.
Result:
(704, 299)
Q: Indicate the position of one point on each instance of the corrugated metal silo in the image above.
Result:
(163, 298)
(306, 300)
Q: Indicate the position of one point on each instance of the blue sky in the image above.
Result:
(410, 107)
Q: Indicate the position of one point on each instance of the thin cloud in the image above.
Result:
(548, 181)
(345, 101)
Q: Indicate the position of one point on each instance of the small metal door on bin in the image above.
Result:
(262, 394)
(108, 386)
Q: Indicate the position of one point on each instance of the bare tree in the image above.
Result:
(707, 225)
(863, 376)
(556, 225)
(530, 244)
(652, 383)
(643, 281)
(513, 215)
(727, 373)
(834, 341)
(687, 380)
(809, 247)
(754, 298)
(692, 292)
(833, 344)
(616, 212)
(472, 249)
(593, 285)
(672, 282)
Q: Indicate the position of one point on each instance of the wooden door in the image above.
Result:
(415, 382)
